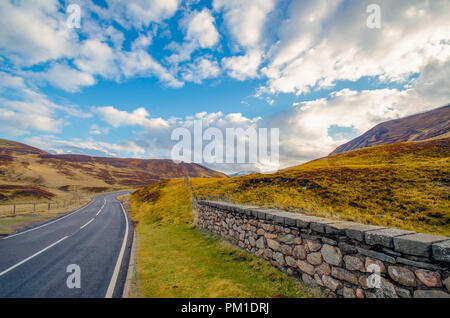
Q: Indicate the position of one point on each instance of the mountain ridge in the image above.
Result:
(418, 127)
(25, 170)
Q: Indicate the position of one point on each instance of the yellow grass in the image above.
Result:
(402, 185)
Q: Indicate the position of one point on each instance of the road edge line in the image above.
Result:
(32, 256)
(113, 281)
(130, 272)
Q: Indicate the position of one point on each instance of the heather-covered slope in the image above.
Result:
(404, 185)
(30, 173)
(429, 125)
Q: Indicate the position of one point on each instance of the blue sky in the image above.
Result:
(136, 70)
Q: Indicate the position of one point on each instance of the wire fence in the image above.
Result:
(24, 208)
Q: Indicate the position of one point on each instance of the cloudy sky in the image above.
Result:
(136, 70)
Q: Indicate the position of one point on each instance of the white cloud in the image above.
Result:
(17, 122)
(243, 67)
(245, 18)
(88, 147)
(139, 62)
(322, 42)
(139, 117)
(34, 31)
(138, 13)
(200, 70)
(304, 130)
(200, 32)
(201, 28)
(97, 58)
(142, 42)
(24, 108)
(66, 77)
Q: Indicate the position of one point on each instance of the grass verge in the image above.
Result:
(175, 259)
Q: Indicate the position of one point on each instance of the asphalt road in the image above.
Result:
(96, 238)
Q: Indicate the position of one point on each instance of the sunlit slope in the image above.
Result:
(28, 173)
(402, 185)
(429, 125)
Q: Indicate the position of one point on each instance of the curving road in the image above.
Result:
(96, 238)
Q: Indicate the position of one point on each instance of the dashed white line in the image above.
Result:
(112, 283)
(87, 223)
(32, 256)
(99, 211)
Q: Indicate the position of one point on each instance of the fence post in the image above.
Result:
(14, 209)
(49, 206)
(34, 207)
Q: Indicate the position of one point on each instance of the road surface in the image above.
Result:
(40, 261)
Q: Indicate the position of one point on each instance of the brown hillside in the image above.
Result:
(429, 125)
(404, 185)
(30, 173)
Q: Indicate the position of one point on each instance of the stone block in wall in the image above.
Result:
(331, 283)
(303, 221)
(417, 244)
(313, 246)
(349, 292)
(345, 275)
(430, 294)
(318, 224)
(260, 244)
(274, 245)
(377, 255)
(279, 258)
(380, 266)
(354, 263)
(339, 227)
(402, 275)
(305, 267)
(384, 237)
(308, 280)
(428, 278)
(447, 283)
(405, 261)
(331, 254)
(299, 252)
(357, 231)
(441, 251)
(323, 269)
(314, 258)
(290, 261)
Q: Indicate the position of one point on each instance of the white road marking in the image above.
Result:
(32, 256)
(112, 283)
(99, 211)
(43, 225)
(87, 223)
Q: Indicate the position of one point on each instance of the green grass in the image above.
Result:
(175, 259)
(401, 185)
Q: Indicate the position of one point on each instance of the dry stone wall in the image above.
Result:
(345, 259)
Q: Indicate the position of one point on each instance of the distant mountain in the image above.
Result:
(27, 172)
(241, 173)
(433, 124)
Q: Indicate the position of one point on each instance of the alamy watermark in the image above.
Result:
(237, 146)
(74, 279)
(74, 16)
(374, 19)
